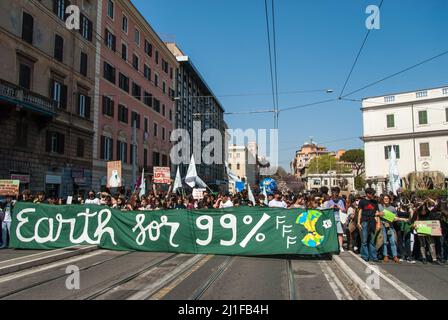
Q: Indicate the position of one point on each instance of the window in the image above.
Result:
(147, 99)
(163, 133)
(59, 7)
(164, 87)
(156, 159)
(123, 82)
(391, 121)
(157, 105)
(54, 142)
(423, 117)
(389, 99)
(58, 48)
(122, 151)
(80, 148)
(165, 66)
(171, 73)
(137, 37)
(136, 91)
(388, 149)
(135, 62)
(156, 79)
(59, 93)
(156, 129)
(163, 109)
(445, 91)
(124, 24)
(27, 28)
(238, 166)
(83, 64)
(25, 76)
(107, 148)
(123, 113)
(21, 132)
(108, 106)
(145, 158)
(421, 94)
(109, 72)
(83, 106)
(110, 9)
(146, 125)
(86, 28)
(164, 160)
(157, 57)
(135, 120)
(111, 40)
(124, 52)
(424, 149)
(147, 72)
(171, 115)
(148, 48)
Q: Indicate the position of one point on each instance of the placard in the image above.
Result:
(198, 194)
(389, 215)
(114, 175)
(162, 175)
(9, 187)
(431, 227)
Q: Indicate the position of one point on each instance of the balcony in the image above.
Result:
(21, 97)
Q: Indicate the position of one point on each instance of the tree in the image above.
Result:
(359, 183)
(325, 163)
(356, 158)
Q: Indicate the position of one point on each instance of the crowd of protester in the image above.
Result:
(360, 222)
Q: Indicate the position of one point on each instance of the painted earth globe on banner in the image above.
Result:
(270, 185)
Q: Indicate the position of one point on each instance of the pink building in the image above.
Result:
(135, 85)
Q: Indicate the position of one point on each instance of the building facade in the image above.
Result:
(242, 161)
(415, 124)
(47, 79)
(331, 179)
(304, 155)
(196, 104)
(135, 88)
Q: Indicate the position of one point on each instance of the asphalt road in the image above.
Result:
(110, 275)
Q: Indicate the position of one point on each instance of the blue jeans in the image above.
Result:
(368, 248)
(6, 228)
(389, 239)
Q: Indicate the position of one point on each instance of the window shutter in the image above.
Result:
(63, 104)
(52, 82)
(78, 109)
(88, 101)
(48, 142)
(386, 152)
(102, 148)
(90, 31)
(114, 43)
(61, 143)
(118, 150)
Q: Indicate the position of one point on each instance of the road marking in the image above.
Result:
(50, 266)
(334, 282)
(56, 253)
(153, 287)
(397, 284)
(164, 291)
(362, 285)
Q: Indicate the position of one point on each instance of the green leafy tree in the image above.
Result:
(324, 164)
(357, 159)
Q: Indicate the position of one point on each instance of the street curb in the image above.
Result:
(360, 285)
(35, 260)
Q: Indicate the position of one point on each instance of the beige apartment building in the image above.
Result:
(242, 161)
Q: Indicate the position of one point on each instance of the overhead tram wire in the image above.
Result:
(275, 65)
(357, 57)
(270, 60)
(396, 74)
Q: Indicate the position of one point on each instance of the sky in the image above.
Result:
(317, 42)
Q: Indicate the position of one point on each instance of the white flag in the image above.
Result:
(266, 202)
(394, 176)
(142, 185)
(190, 179)
(250, 194)
(178, 181)
(200, 183)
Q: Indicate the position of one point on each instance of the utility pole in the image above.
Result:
(134, 153)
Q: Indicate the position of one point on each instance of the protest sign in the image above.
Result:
(162, 175)
(389, 215)
(232, 231)
(430, 227)
(9, 188)
(198, 194)
(114, 175)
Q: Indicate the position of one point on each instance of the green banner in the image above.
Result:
(233, 231)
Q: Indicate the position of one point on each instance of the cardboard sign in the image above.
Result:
(9, 187)
(114, 175)
(198, 194)
(162, 175)
(389, 215)
(431, 228)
